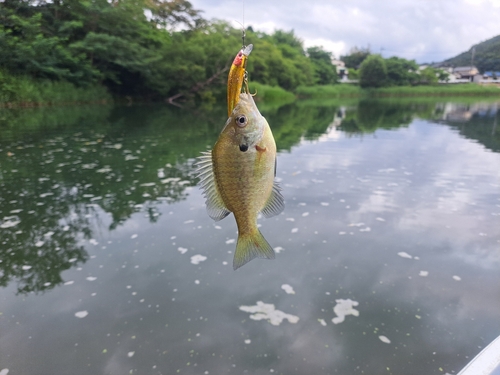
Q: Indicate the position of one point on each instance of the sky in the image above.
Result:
(421, 30)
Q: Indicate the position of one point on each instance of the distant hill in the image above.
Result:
(486, 57)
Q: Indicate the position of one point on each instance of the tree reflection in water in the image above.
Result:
(61, 169)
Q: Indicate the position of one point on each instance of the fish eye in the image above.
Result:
(241, 121)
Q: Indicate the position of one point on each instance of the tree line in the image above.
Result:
(374, 71)
(149, 48)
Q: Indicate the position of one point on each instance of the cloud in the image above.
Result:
(421, 30)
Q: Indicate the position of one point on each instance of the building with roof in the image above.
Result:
(466, 72)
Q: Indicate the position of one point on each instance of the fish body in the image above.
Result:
(236, 77)
(238, 176)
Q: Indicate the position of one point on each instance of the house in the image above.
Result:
(466, 72)
(342, 71)
(491, 75)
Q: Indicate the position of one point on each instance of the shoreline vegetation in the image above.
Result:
(69, 52)
(25, 92)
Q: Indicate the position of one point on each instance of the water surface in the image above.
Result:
(388, 249)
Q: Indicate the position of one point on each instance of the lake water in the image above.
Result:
(388, 249)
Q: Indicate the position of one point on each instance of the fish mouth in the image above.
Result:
(236, 78)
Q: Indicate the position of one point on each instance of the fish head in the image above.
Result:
(246, 125)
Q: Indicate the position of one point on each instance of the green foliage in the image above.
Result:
(373, 72)
(328, 91)
(271, 93)
(27, 91)
(451, 90)
(428, 76)
(486, 56)
(401, 72)
(353, 73)
(152, 49)
(279, 60)
(355, 57)
(325, 71)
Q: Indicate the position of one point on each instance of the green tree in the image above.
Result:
(401, 72)
(325, 71)
(373, 72)
(27, 48)
(428, 76)
(355, 57)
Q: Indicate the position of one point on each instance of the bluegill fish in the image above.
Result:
(238, 176)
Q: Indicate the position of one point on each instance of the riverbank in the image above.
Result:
(352, 91)
(20, 91)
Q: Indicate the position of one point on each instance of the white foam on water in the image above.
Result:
(69, 282)
(384, 339)
(26, 268)
(196, 259)
(322, 322)
(91, 278)
(248, 341)
(288, 289)
(424, 273)
(230, 241)
(4, 371)
(81, 314)
(278, 249)
(295, 230)
(182, 250)
(402, 254)
(343, 308)
(9, 223)
(457, 278)
(356, 224)
(130, 354)
(133, 236)
(267, 311)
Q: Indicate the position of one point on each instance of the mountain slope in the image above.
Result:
(486, 57)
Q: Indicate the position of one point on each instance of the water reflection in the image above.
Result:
(53, 180)
(390, 225)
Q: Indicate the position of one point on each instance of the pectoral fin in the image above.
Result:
(275, 204)
(216, 208)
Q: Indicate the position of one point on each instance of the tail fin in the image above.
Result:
(250, 246)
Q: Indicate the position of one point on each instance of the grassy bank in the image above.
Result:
(440, 90)
(328, 91)
(349, 91)
(269, 94)
(29, 92)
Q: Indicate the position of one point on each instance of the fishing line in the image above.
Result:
(243, 36)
